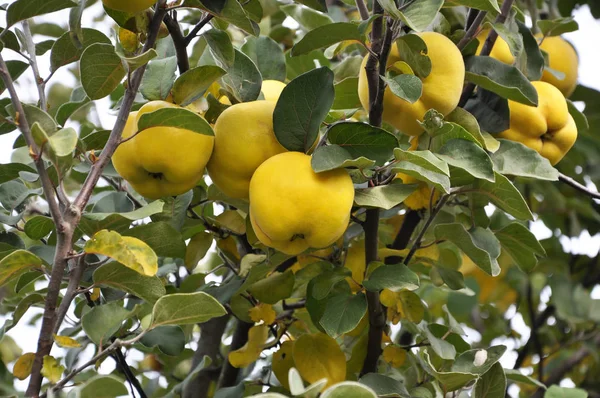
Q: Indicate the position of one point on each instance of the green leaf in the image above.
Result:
(192, 84)
(175, 117)
(343, 313)
(451, 380)
(20, 310)
(15, 69)
(169, 339)
(349, 389)
(138, 214)
(362, 139)
(13, 193)
(103, 321)
(324, 283)
(469, 157)
(454, 279)
(105, 386)
(24, 9)
(34, 115)
(394, 277)
(414, 53)
(479, 244)
(478, 361)
(10, 171)
(325, 36)
(492, 384)
(138, 61)
(120, 277)
(197, 249)
(503, 194)
(306, 17)
(65, 52)
(16, 263)
(220, 46)
(556, 27)
(302, 107)
(518, 377)
(424, 166)
(159, 78)
(38, 227)
(165, 240)
(174, 210)
(67, 109)
(176, 391)
(233, 12)
(185, 309)
(490, 110)
(243, 78)
(319, 5)
(490, 6)
(276, 287)
(346, 94)
(442, 348)
(516, 159)
(304, 63)
(580, 119)
(406, 86)
(505, 80)
(418, 15)
(267, 55)
(531, 59)
(384, 386)
(563, 392)
(333, 157)
(101, 70)
(385, 196)
(521, 244)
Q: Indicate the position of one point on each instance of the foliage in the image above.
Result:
(439, 239)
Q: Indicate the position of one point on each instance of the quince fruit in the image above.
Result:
(562, 58)
(500, 51)
(293, 208)
(548, 128)
(131, 6)
(441, 88)
(161, 161)
(244, 139)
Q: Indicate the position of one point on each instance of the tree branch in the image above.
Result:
(229, 373)
(487, 48)
(197, 28)
(432, 216)
(39, 82)
(179, 42)
(539, 321)
(534, 332)
(472, 30)
(74, 280)
(362, 9)
(411, 220)
(582, 188)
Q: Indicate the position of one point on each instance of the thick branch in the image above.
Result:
(209, 344)
(229, 373)
(74, 279)
(487, 48)
(411, 220)
(179, 42)
(570, 181)
(362, 9)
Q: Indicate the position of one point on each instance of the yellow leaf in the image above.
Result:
(357, 357)
(66, 342)
(283, 361)
(95, 294)
(402, 304)
(394, 355)
(16, 263)
(129, 251)
(263, 312)
(22, 368)
(257, 337)
(51, 369)
(318, 356)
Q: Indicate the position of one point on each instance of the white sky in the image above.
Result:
(26, 336)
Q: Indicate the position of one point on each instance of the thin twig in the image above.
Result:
(362, 9)
(534, 331)
(570, 181)
(71, 292)
(188, 39)
(39, 82)
(432, 216)
(472, 30)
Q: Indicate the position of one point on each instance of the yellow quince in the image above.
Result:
(161, 161)
(547, 128)
(293, 208)
(441, 88)
(563, 58)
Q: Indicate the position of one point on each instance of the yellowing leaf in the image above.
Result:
(283, 361)
(16, 263)
(66, 342)
(245, 356)
(95, 294)
(22, 368)
(394, 355)
(318, 356)
(51, 369)
(402, 304)
(129, 251)
(263, 312)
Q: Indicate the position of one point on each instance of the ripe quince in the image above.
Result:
(131, 6)
(547, 128)
(562, 58)
(244, 138)
(161, 161)
(293, 208)
(500, 51)
(441, 89)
